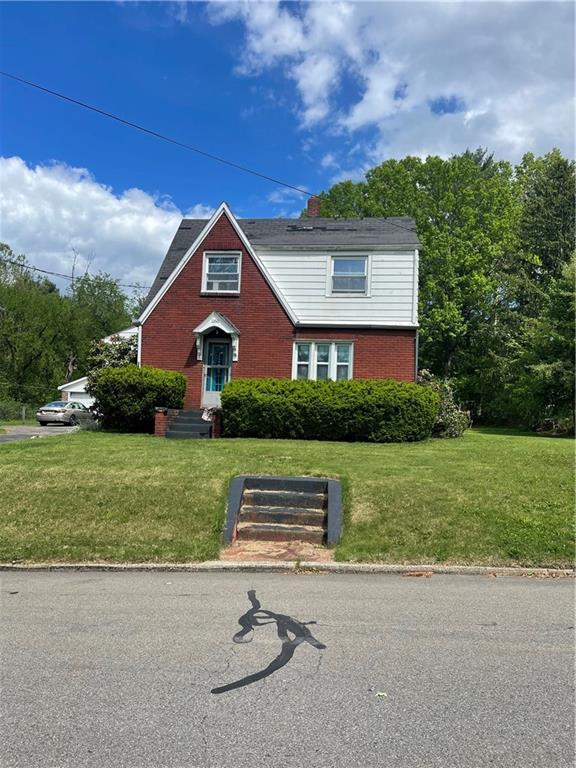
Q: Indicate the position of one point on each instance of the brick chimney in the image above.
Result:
(313, 208)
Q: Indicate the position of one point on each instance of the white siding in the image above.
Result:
(302, 278)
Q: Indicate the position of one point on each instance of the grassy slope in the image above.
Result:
(488, 498)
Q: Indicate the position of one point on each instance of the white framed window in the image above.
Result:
(322, 360)
(349, 276)
(221, 272)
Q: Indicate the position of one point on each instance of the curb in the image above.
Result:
(292, 566)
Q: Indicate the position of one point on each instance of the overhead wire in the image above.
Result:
(169, 139)
(67, 277)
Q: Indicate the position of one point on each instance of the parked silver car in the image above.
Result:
(64, 412)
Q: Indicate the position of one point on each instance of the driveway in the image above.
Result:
(140, 670)
(26, 432)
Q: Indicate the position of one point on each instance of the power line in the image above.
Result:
(170, 140)
(59, 274)
(156, 134)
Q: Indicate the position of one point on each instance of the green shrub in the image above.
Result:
(451, 421)
(382, 411)
(126, 397)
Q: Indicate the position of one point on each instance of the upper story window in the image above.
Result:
(349, 275)
(221, 273)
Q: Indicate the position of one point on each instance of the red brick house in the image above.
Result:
(290, 298)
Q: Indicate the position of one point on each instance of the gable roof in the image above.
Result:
(313, 232)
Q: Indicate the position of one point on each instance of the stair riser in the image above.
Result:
(286, 484)
(271, 499)
(302, 517)
(200, 428)
(189, 420)
(186, 436)
(312, 537)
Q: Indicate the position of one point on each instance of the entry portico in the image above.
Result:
(217, 341)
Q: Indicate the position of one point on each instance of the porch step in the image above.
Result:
(280, 532)
(187, 435)
(177, 426)
(190, 417)
(288, 498)
(189, 425)
(283, 515)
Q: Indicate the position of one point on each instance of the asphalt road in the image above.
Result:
(116, 669)
(26, 432)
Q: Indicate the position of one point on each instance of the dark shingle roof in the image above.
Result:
(397, 230)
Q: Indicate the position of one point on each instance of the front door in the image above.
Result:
(216, 370)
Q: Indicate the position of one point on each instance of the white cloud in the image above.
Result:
(380, 66)
(49, 211)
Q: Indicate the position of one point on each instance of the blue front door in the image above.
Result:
(216, 370)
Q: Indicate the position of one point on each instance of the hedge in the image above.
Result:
(382, 411)
(126, 397)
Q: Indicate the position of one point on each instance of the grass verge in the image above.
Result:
(492, 497)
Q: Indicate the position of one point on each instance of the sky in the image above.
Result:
(309, 93)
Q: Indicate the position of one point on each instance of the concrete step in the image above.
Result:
(278, 532)
(189, 418)
(284, 515)
(297, 484)
(265, 498)
(203, 428)
(187, 435)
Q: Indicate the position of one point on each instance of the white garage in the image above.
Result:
(76, 390)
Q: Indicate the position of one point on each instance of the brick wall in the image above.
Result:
(266, 332)
(378, 353)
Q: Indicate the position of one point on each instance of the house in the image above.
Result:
(76, 390)
(309, 298)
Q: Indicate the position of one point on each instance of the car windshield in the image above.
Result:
(56, 404)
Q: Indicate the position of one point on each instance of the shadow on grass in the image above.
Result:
(513, 432)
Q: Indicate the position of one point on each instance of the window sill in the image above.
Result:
(219, 293)
(348, 296)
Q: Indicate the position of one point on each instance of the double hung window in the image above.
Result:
(221, 272)
(349, 275)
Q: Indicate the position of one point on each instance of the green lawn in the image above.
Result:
(492, 497)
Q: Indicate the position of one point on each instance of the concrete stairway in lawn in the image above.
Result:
(284, 509)
(189, 425)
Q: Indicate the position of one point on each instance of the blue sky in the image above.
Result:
(309, 93)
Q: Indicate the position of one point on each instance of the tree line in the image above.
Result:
(496, 281)
(46, 334)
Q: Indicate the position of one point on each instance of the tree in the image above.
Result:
(99, 307)
(545, 387)
(115, 353)
(548, 213)
(44, 336)
(32, 342)
(495, 240)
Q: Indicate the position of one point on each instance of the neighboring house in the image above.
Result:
(76, 390)
(308, 298)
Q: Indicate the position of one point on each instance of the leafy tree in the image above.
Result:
(115, 353)
(45, 336)
(544, 391)
(32, 342)
(548, 213)
(495, 240)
